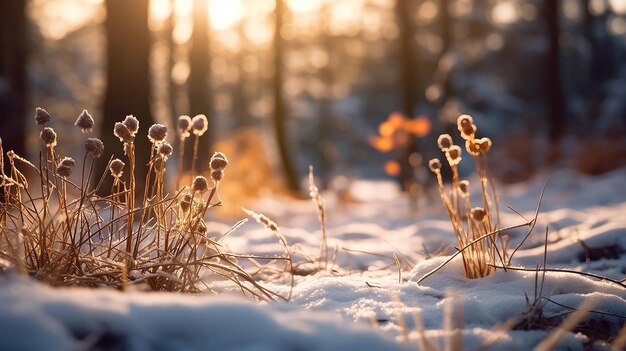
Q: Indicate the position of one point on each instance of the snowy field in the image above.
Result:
(368, 300)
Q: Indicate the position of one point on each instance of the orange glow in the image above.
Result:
(386, 129)
(381, 144)
(392, 168)
(418, 127)
(397, 127)
(224, 14)
(396, 119)
(396, 132)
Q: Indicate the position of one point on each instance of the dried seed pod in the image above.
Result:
(94, 147)
(121, 131)
(117, 168)
(42, 117)
(165, 149)
(187, 197)
(201, 227)
(200, 184)
(468, 132)
(157, 133)
(68, 162)
(84, 122)
(49, 137)
(454, 155)
(64, 171)
(464, 121)
(478, 214)
(218, 161)
(434, 165)
(472, 147)
(184, 124)
(185, 202)
(132, 123)
(444, 142)
(217, 175)
(199, 125)
(484, 145)
(464, 187)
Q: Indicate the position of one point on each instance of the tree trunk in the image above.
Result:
(13, 52)
(128, 82)
(445, 22)
(555, 101)
(240, 97)
(279, 113)
(325, 127)
(13, 49)
(198, 87)
(407, 87)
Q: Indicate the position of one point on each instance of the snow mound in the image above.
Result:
(36, 317)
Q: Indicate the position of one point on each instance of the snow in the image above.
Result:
(362, 304)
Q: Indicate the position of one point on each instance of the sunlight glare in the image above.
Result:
(304, 6)
(160, 9)
(59, 18)
(345, 16)
(427, 12)
(504, 13)
(618, 6)
(224, 14)
(180, 72)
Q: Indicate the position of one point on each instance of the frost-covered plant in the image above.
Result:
(68, 235)
(471, 223)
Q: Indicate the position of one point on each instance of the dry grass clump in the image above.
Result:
(61, 232)
(471, 223)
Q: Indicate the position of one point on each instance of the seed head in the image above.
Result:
(132, 124)
(117, 168)
(472, 147)
(464, 121)
(94, 147)
(218, 161)
(121, 131)
(217, 175)
(157, 133)
(68, 162)
(42, 117)
(201, 228)
(478, 214)
(445, 142)
(484, 145)
(199, 125)
(468, 132)
(464, 187)
(84, 122)
(454, 155)
(200, 184)
(185, 202)
(184, 124)
(268, 223)
(49, 137)
(434, 165)
(64, 171)
(165, 149)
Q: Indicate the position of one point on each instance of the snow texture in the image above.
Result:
(336, 311)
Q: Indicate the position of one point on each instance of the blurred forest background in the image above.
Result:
(357, 88)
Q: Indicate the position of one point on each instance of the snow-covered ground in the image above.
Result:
(367, 302)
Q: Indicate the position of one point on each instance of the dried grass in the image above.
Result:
(62, 233)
